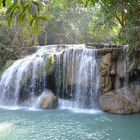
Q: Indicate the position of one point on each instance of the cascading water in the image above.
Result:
(76, 77)
(81, 79)
(25, 79)
(87, 80)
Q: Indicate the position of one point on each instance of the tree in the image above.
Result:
(69, 23)
(22, 11)
(126, 13)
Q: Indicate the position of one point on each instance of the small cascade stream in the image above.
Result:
(75, 71)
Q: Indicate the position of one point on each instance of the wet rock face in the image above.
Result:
(122, 101)
(106, 64)
(115, 96)
(113, 70)
(48, 101)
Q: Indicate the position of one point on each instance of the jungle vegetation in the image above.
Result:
(71, 21)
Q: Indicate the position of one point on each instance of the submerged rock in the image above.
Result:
(48, 101)
(121, 101)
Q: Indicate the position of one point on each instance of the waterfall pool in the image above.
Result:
(23, 124)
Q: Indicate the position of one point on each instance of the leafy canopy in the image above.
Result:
(25, 11)
(126, 13)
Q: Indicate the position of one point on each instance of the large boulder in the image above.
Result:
(48, 101)
(122, 101)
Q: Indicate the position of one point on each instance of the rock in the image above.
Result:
(106, 84)
(113, 70)
(1, 63)
(121, 69)
(27, 51)
(121, 101)
(106, 64)
(8, 63)
(6, 66)
(50, 64)
(48, 101)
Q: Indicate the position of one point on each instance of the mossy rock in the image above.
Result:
(50, 65)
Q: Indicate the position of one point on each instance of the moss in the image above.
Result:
(50, 65)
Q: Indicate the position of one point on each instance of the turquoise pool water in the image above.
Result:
(67, 125)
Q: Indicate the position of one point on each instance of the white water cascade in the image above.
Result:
(81, 79)
(25, 80)
(76, 77)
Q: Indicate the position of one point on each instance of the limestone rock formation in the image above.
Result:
(113, 70)
(106, 64)
(48, 101)
(122, 101)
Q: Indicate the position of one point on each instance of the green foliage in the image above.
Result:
(124, 16)
(23, 11)
(80, 21)
(75, 23)
(100, 29)
(127, 15)
(8, 50)
(68, 23)
(6, 35)
(26, 36)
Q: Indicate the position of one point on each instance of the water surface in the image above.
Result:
(67, 125)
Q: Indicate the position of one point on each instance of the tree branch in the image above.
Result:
(121, 22)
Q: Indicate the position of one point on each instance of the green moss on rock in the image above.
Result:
(50, 65)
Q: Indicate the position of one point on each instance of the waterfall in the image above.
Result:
(87, 80)
(80, 79)
(25, 80)
(75, 74)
